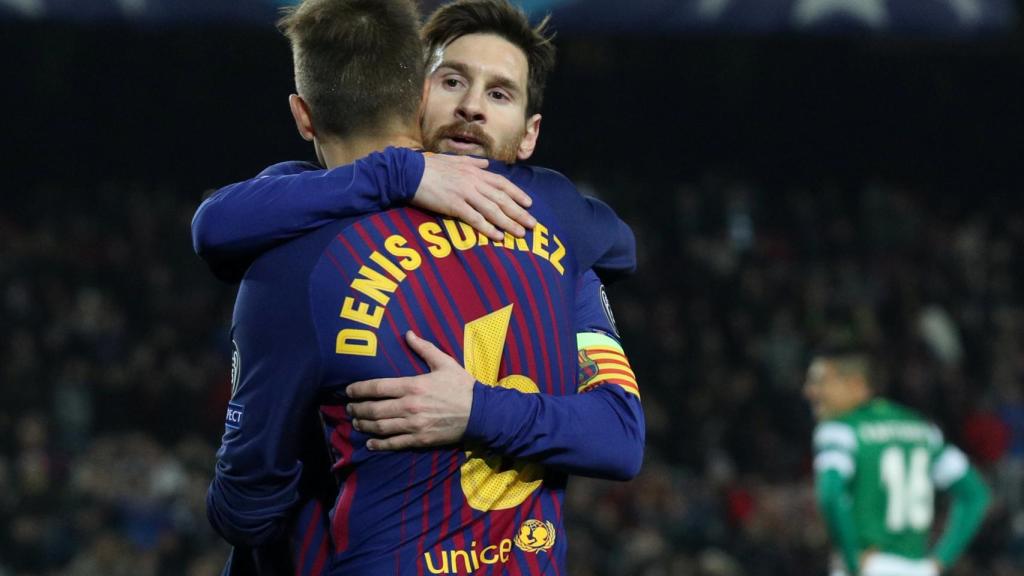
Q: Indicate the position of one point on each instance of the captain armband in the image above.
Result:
(602, 361)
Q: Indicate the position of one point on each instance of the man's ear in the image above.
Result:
(303, 120)
(529, 142)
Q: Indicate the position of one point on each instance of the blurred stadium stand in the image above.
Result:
(782, 186)
(930, 17)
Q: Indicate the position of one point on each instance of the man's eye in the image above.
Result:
(499, 95)
(451, 82)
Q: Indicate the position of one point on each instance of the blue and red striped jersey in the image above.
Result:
(330, 308)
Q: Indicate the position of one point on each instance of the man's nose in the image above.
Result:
(470, 108)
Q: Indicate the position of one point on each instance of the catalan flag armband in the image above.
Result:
(602, 361)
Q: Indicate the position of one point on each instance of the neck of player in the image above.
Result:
(340, 151)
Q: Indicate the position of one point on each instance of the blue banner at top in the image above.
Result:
(926, 17)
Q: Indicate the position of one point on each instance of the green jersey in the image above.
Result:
(892, 461)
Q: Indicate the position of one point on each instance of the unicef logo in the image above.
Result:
(534, 536)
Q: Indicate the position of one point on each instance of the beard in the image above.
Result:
(506, 150)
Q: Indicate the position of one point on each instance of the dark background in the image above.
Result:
(783, 187)
(208, 103)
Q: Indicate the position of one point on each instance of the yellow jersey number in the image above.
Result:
(492, 482)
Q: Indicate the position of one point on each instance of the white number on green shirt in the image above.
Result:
(909, 489)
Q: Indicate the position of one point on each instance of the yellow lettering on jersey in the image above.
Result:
(540, 241)
(379, 279)
(361, 312)
(390, 267)
(514, 242)
(463, 236)
(505, 549)
(556, 257)
(488, 557)
(398, 247)
(456, 554)
(443, 569)
(356, 342)
(438, 245)
(374, 285)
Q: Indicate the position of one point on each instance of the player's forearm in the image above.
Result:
(970, 500)
(246, 218)
(598, 434)
(247, 514)
(830, 489)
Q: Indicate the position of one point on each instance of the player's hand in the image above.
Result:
(864, 560)
(874, 563)
(415, 412)
(461, 186)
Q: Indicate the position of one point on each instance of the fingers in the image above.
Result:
(431, 354)
(511, 207)
(494, 214)
(478, 162)
(475, 218)
(379, 388)
(377, 410)
(460, 186)
(515, 193)
(510, 202)
(400, 442)
(388, 427)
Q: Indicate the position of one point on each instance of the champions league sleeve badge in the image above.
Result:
(608, 312)
(236, 367)
(233, 416)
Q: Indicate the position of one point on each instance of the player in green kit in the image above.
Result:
(877, 466)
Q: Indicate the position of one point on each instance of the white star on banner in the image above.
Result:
(808, 13)
(968, 11)
(27, 8)
(132, 7)
(712, 9)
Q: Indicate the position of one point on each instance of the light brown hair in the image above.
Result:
(358, 63)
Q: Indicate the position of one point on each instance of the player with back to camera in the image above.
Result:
(539, 436)
(877, 466)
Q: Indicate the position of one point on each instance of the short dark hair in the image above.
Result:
(500, 17)
(849, 359)
(357, 62)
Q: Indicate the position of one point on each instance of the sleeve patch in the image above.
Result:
(233, 417)
(602, 361)
(236, 367)
(608, 311)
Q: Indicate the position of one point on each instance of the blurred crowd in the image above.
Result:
(115, 367)
(114, 372)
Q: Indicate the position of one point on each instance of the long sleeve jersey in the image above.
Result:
(329, 308)
(242, 220)
(877, 468)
